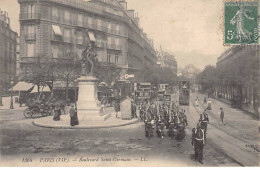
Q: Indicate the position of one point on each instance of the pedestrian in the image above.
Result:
(76, 115)
(205, 99)
(204, 123)
(197, 102)
(209, 104)
(199, 143)
(57, 112)
(72, 115)
(222, 117)
(12, 104)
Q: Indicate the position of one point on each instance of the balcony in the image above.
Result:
(67, 39)
(28, 59)
(30, 37)
(114, 47)
(30, 16)
(100, 44)
(102, 28)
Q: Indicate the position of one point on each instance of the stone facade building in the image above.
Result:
(54, 27)
(7, 52)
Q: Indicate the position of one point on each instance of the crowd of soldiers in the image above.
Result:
(163, 118)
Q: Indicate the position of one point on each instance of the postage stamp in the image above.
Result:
(241, 22)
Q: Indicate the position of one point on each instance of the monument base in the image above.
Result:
(87, 105)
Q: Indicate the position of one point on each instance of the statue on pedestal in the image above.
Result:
(89, 57)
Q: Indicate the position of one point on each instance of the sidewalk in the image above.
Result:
(249, 109)
(6, 104)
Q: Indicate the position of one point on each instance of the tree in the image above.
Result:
(68, 69)
(38, 73)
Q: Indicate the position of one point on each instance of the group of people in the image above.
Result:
(163, 117)
(206, 101)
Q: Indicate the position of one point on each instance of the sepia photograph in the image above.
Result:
(129, 83)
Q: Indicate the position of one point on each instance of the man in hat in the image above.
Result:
(198, 143)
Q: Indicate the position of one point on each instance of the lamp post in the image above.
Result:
(12, 101)
(75, 95)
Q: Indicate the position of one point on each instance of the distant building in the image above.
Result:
(189, 72)
(166, 60)
(55, 27)
(7, 52)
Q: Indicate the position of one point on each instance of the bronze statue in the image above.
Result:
(88, 57)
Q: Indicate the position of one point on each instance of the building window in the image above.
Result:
(109, 27)
(108, 57)
(90, 22)
(57, 33)
(99, 24)
(67, 35)
(80, 38)
(30, 50)
(67, 16)
(30, 29)
(55, 51)
(117, 29)
(55, 14)
(116, 58)
(80, 20)
(31, 10)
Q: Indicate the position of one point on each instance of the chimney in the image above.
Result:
(123, 3)
(131, 13)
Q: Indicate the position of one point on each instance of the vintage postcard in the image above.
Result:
(129, 83)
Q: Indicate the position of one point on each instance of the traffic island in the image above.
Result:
(64, 123)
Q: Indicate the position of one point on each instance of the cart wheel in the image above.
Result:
(27, 113)
(35, 113)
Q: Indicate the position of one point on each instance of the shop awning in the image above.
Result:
(22, 86)
(42, 89)
(91, 36)
(57, 30)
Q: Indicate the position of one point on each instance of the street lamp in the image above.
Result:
(75, 96)
(12, 101)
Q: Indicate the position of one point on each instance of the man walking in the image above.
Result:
(198, 143)
(12, 104)
(72, 115)
(221, 117)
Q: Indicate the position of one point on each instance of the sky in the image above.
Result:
(191, 30)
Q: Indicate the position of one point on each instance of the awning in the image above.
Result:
(22, 86)
(91, 36)
(42, 89)
(57, 30)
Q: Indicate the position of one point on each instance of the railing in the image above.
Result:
(30, 16)
(28, 59)
(31, 36)
(114, 47)
(79, 4)
(67, 39)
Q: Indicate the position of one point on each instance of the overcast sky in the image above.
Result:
(191, 30)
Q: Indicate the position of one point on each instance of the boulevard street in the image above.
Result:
(234, 144)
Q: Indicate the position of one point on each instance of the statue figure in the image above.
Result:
(239, 21)
(88, 57)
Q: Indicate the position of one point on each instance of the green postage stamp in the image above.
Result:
(241, 22)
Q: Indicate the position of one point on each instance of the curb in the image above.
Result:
(84, 127)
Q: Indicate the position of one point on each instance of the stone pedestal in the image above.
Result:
(88, 109)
